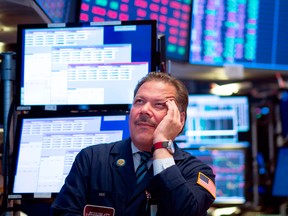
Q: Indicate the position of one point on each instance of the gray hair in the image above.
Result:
(181, 96)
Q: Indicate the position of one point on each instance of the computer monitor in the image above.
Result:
(92, 65)
(229, 167)
(217, 120)
(47, 144)
(248, 33)
(173, 18)
(280, 185)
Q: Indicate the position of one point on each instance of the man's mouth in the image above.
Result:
(141, 123)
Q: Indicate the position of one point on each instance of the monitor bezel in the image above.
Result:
(16, 146)
(20, 63)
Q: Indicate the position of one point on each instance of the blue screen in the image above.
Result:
(280, 185)
(250, 33)
(283, 106)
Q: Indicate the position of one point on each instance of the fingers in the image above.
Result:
(173, 109)
(174, 115)
(171, 125)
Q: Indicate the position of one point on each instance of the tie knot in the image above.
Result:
(145, 156)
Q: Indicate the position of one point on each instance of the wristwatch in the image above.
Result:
(169, 145)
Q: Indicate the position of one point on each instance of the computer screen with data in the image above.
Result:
(248, 33)
(98, 63)
(173, 19)
(229, 166)
(45, 148)
(215, 119)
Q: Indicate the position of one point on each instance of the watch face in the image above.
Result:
(170, 146)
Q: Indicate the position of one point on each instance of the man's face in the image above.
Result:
(149, 108)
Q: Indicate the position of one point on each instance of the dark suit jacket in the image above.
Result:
(98, 178)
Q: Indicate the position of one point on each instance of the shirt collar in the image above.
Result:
(134, 148)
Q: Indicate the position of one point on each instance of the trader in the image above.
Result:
(114, 178)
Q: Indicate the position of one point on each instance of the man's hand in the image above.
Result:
(171, 124)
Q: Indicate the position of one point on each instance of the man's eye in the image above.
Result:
(160, 105)
(138, 101)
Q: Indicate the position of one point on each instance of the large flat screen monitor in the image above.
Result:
(46, 146)
(64, 66)
(173, 18)
(249, 33)
(217, 120)
(229, 166)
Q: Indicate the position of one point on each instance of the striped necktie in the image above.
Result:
(142, 168)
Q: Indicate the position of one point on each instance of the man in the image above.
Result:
(176, 182)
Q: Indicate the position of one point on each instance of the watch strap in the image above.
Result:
(158, 145)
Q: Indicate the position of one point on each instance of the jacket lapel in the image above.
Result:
(123, 165)
(122, 162)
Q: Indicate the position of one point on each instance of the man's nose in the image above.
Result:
(146, 108)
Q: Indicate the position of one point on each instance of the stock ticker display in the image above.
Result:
(248, 32)
(229, 167)
(217, 120)
(173, 17)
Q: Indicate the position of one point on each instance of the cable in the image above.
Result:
(6, 160)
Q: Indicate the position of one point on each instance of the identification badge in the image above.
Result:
(93, 210)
